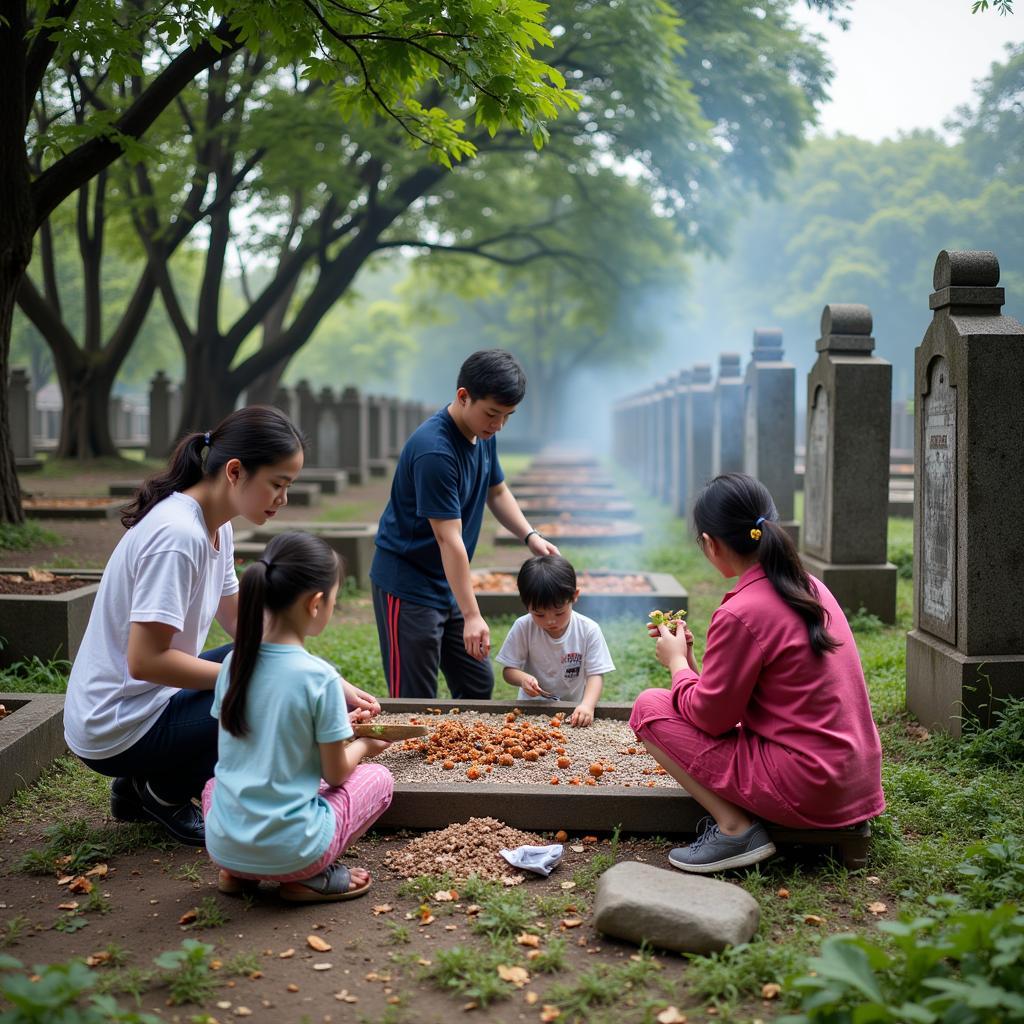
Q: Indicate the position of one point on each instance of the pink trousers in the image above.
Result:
(357, 803)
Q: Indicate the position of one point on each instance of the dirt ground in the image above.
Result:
(369, 978)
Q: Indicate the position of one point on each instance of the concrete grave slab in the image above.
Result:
(30, 738)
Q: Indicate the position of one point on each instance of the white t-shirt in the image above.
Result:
(561, 666)
(164, 569)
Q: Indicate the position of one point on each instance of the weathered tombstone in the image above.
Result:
(662, 449)
(846, 483)
(769, 437)
(727, 431)
(647, 430)
(380, 462)
(19, 405)
(286, 401)
(308, 421)
(966, 651)
(396, 437)
(677, 431)
(327, 430)
(159, 416)
(697, 428)
(354, 435)
(115, 419)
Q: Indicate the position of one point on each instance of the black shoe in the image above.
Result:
(183, 822)
(125, 802)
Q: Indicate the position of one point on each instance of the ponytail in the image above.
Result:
(257, 435)
(739, 511)
(292, 566)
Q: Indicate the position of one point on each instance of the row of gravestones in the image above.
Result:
(965, 653)
(359, 433)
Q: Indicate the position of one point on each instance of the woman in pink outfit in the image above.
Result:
(778, 724)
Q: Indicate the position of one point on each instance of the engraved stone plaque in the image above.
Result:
(817, 493)
(937, 612)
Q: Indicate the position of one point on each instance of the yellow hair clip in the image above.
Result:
(755, 534)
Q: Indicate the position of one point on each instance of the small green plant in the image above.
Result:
(993, 873)
(189, 873)
(209, 914)
(97, 903)
(600, 986)
(398, 934)
(33, 675)
(187, 974)
(70, 922)
(503, 914)
(129, 981)
(60, 992)
(472, 973)
(84, 846)
(243, 964)
(116, 955)
(998, 742)
(22, 536)
(557, 904)
(739, 972)
(422, 887)
(586, 877)
(551, 958)
(862, 621)
(902, 556)
(13, 929)
(948, 965)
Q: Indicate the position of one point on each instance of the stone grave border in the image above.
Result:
(109, 510)
(666, 593)
(597, 809)
(556, 506)
(354, 542)
(626, 533)
(47, 625)
(31, 737)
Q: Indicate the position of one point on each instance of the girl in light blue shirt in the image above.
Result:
(290, 793)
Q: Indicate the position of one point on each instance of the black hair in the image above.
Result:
(729, 509)
(257, 435)
(291, 566)
(546, 581)
(493, 373)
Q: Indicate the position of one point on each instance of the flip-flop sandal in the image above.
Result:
(330, 886)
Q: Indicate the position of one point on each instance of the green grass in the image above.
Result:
(25, 536)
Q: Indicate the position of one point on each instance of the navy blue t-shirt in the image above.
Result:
(440, 475)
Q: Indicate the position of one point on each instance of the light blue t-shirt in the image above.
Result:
(267, 815)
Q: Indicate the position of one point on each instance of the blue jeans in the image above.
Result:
(177, 755)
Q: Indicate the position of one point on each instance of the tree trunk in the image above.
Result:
(209, 390)
(85, 421)
(16, 230)
(262, 390)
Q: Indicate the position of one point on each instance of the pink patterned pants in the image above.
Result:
(357, 803)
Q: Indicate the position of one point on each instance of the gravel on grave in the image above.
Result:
(18, 585)
(606, 743)
(464, 849)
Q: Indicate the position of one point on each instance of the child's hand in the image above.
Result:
(371, 747)
(531, 687)
(360, 701)
(357, 715)
(582, 716)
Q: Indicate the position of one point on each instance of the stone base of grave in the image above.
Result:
(381, 467)
(43, 510)
(46, 625)
(330, 481)
(28, 465)
(662, 810)
(354, 542)
(945, 686)
(124, 488)
(871, 587)
(303, 494)
(30, 738)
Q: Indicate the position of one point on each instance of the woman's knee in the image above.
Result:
(648, 703)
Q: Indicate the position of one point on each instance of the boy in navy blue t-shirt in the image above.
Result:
(427, 614)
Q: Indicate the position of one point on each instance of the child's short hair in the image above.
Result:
(546, 581)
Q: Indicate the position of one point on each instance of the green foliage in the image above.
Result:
(503, 914)
(24, 536)
(61, 993)
(243, 964)
(13, 929)
(738, 973)
(398, 934)
(550, 958)
(85, 846)
(33, 675)
(601, 986)
(586, 877)
(471, 972)
(993, 873)
(1002, 742)
(209, 914)
(187, 972)
(948, 965)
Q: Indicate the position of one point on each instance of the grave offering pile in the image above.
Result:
(522, 749)
(464, 849)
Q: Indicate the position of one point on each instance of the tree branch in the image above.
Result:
(62, 178)
(42, 49)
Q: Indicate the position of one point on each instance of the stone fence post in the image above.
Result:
(727, 432)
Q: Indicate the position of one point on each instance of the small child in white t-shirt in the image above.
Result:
(553, 652)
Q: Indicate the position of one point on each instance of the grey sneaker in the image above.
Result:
(712, 851)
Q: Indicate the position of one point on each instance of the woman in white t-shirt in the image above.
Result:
(139, 695)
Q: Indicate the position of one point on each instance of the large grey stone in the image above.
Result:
(671, 910)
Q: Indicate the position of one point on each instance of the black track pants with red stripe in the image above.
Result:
(416, 641)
